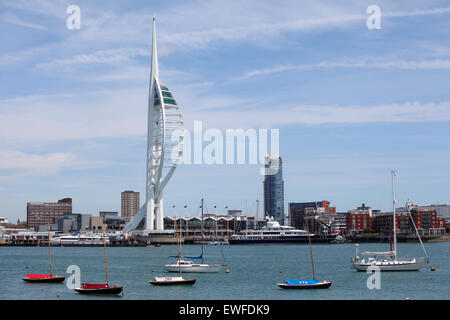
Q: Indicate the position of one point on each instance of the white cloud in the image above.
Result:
(13, 19)
(434, 64)
(36, 164)
(112, 56)
(122, 113)
(261, 117)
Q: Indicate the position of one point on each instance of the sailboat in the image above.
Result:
(40, 278)
(162, 281)
(100, 288)
(306, 283)
(387, 260)
(190, 266)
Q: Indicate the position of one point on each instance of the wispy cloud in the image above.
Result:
(13, 19)
(434, 64)
(37, 164)
(408, 112)
(113, 56)
(417, 12)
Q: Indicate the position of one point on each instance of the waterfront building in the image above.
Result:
(3, 220)
(80, 221)
(442, 210)
(109, 214)
(359, 219)
(274, 188)
(339, 225)
(115, 223)
(129, 203)
(213, 226)
(40, 213)
(427, 222)
(358, 222)
(234, 212)
(318, 214)
(97, 224)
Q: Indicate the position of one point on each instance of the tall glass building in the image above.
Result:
(273, 187)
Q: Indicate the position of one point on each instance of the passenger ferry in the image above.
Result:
(273, 232)
(79, 240)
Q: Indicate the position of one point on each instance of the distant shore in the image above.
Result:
(170, 241)
(400, 238)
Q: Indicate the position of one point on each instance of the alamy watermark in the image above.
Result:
(234, 146)
(74, 280)
(374, 280)
(374, 20)
(74, 20)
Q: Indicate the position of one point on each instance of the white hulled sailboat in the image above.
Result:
(388, 260)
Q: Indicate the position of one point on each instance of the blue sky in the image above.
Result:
(350, 103)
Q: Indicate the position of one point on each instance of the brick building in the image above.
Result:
(40, 213)
(317, 214)
(427, 222)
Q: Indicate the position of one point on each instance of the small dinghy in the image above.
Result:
(163, 281)
(98, 288)
(43, 278)
(305, 284)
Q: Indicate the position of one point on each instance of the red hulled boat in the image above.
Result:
(100, 288)
(49, 278)
(45, 278)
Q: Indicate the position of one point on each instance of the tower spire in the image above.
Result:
(164, 120)
(155, 68)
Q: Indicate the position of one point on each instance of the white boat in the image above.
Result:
(190, 266)
(79, 240)
(273, 232)
(219, 242)
(388, 260)
(164, 281)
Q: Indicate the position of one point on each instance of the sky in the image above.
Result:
(350, 103)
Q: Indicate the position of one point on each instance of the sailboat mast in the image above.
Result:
(202, 231)
(394, 224)
(178, 246)
(106, 257)
(49, 246)
(310, 250)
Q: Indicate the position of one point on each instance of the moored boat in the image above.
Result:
(161, 281)
(48, 278)
(190, 266)
(388, 260)
(304, 284)
(98, 288)
(164, 281)
(45, 278)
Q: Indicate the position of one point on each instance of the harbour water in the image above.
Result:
(254, 271)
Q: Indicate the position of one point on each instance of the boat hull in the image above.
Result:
(390, 266)
(44, 279)
(193, 269)
(96, 289)
(282, 240)
(171, 282)
(319, 285)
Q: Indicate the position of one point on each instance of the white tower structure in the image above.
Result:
(164, 149)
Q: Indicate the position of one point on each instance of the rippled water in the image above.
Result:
(254, 272)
